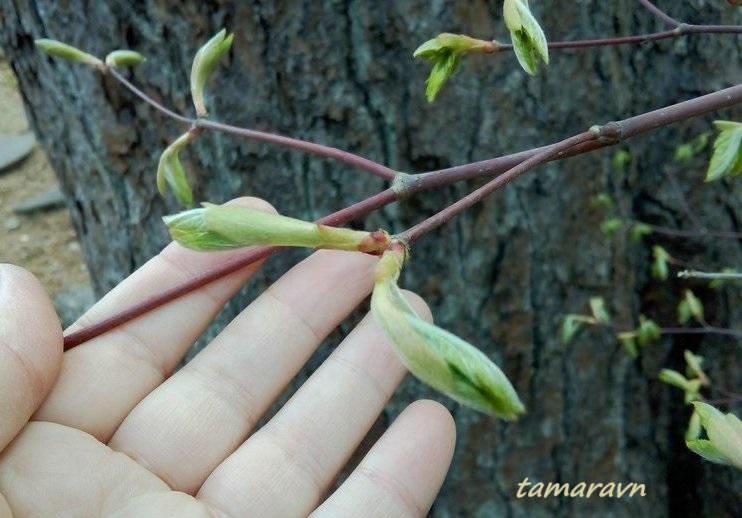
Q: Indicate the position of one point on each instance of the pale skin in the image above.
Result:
(107, 429)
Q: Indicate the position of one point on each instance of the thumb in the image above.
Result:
(30, 349)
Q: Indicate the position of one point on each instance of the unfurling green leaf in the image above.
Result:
(446, 51)
(727, 157)
(443, 68)
(693, 367)
(170, 172)
(692, 391)
(597, 308)
(124, 58)
(206, 60)
(694, 426)
(695, 306)
(690, 387)
(724, 431)
(628, 340)
(601, 200)
(683, 312)
(62, 50)
(659, 265)
(686, 152)
(570, 326)
(529, 41)
(434, 356)
(638, 231)
(609, 226)
(225, 227)
(619, 160)
(648, 331)
(673, 378)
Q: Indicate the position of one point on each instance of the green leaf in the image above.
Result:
(436, 357)
(694, 426)
(529, 41)
(601, 201)
(683, 312)
(446, 51)
(170, 173)
(724, 431)
(62, 50)
(124, 58)
(204, 63)
(673, 378)
(659, 265)
(570, 326)
(628, 340)
(695, 306)
(648, 331)
(688, 151)
(619, 160)
(726, 159)
(693, 366)
(597, 307)
(609, 226)
(443, 68)
(638, 231)
(692, 391)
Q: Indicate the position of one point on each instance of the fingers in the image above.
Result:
(403, 472)
(301, 450)
(30, 348)
(193, 421)
(103, 379)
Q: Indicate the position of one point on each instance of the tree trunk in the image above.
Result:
(503, 274)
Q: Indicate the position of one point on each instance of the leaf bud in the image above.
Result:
(204, 63)
(225, 227)
(436, 357)
(62, 50)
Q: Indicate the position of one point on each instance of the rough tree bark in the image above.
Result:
(503, 274)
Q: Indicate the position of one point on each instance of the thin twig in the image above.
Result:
(342, 216)
(696, 233)
(695, 274)
(680, 30)
(476, 196)
(301, 145)
(146, 98)
(659, 13)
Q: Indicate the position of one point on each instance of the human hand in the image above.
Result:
(105, 429)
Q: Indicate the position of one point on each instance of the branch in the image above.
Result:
(511, 174)
(415, 183)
